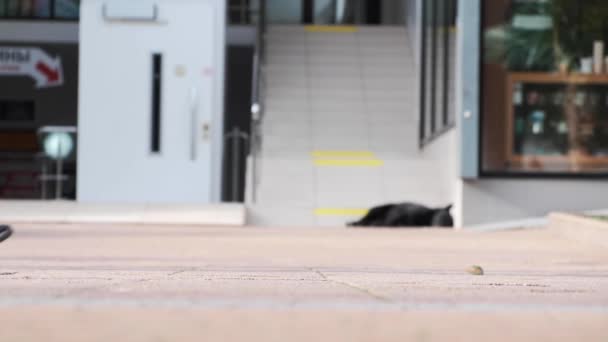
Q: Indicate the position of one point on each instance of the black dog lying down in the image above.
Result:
(406, 215)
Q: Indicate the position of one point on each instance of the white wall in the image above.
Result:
(492, 200)
(444, 154)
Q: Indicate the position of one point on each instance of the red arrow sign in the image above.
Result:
(52, 75)
(33, 62)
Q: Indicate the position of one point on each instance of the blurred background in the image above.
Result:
(307, 110)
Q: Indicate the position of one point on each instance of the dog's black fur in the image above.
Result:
(5, 232)
(406, 215)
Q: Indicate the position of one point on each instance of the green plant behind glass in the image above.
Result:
(575, 26)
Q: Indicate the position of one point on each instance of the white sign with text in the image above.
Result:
(33, 62)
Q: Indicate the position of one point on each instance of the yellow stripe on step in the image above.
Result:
(331, 28)
(340, 212)
(342, 154)
(349, 162)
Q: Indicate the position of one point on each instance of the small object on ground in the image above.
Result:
(475, 270)
(5, 232)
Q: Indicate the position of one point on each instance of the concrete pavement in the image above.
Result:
(163, 283)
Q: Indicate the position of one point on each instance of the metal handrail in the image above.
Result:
(257, 96)
(234, 139)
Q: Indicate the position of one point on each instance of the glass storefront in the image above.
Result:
(284, 12)
(38, 117)
(67, 9)
(545, 87)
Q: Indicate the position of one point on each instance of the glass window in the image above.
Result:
(441, 49)
(324, 11)
(338, 12)
(25, 8)
(242, 12)
(40, 9)
(13, 111)
(545, 87)
(438, 66)
(67, 9)
(428, 60)
(284, 12)
(10, 8)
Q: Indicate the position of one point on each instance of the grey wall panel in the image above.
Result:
(413, 13)
(36, 31)
(493, 200)
(468, 86)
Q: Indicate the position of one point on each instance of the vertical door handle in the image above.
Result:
(157, 88)
(193, 122)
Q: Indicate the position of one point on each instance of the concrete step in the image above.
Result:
(146, 214)
(281, 215)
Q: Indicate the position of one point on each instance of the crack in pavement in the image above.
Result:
(352, 286)
(192, 269)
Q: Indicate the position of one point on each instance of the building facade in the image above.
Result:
(129, 103)
(511, 96)
(529, 124)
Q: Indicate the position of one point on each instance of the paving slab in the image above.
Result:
(587, 228)
(97, 282)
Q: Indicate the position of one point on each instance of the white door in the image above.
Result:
(146, 104)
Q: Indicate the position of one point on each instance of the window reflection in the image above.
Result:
(545, 86)
(40, 9)
(339, 12)
(68, 9)
(438, 67)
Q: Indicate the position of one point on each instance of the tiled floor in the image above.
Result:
(346, 92)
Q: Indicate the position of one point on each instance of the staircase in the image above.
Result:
(340, 132)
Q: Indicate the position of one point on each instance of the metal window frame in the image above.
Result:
(437, 118)
(468, 83)
(447, 70)
(422, 94)
(433, 56)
